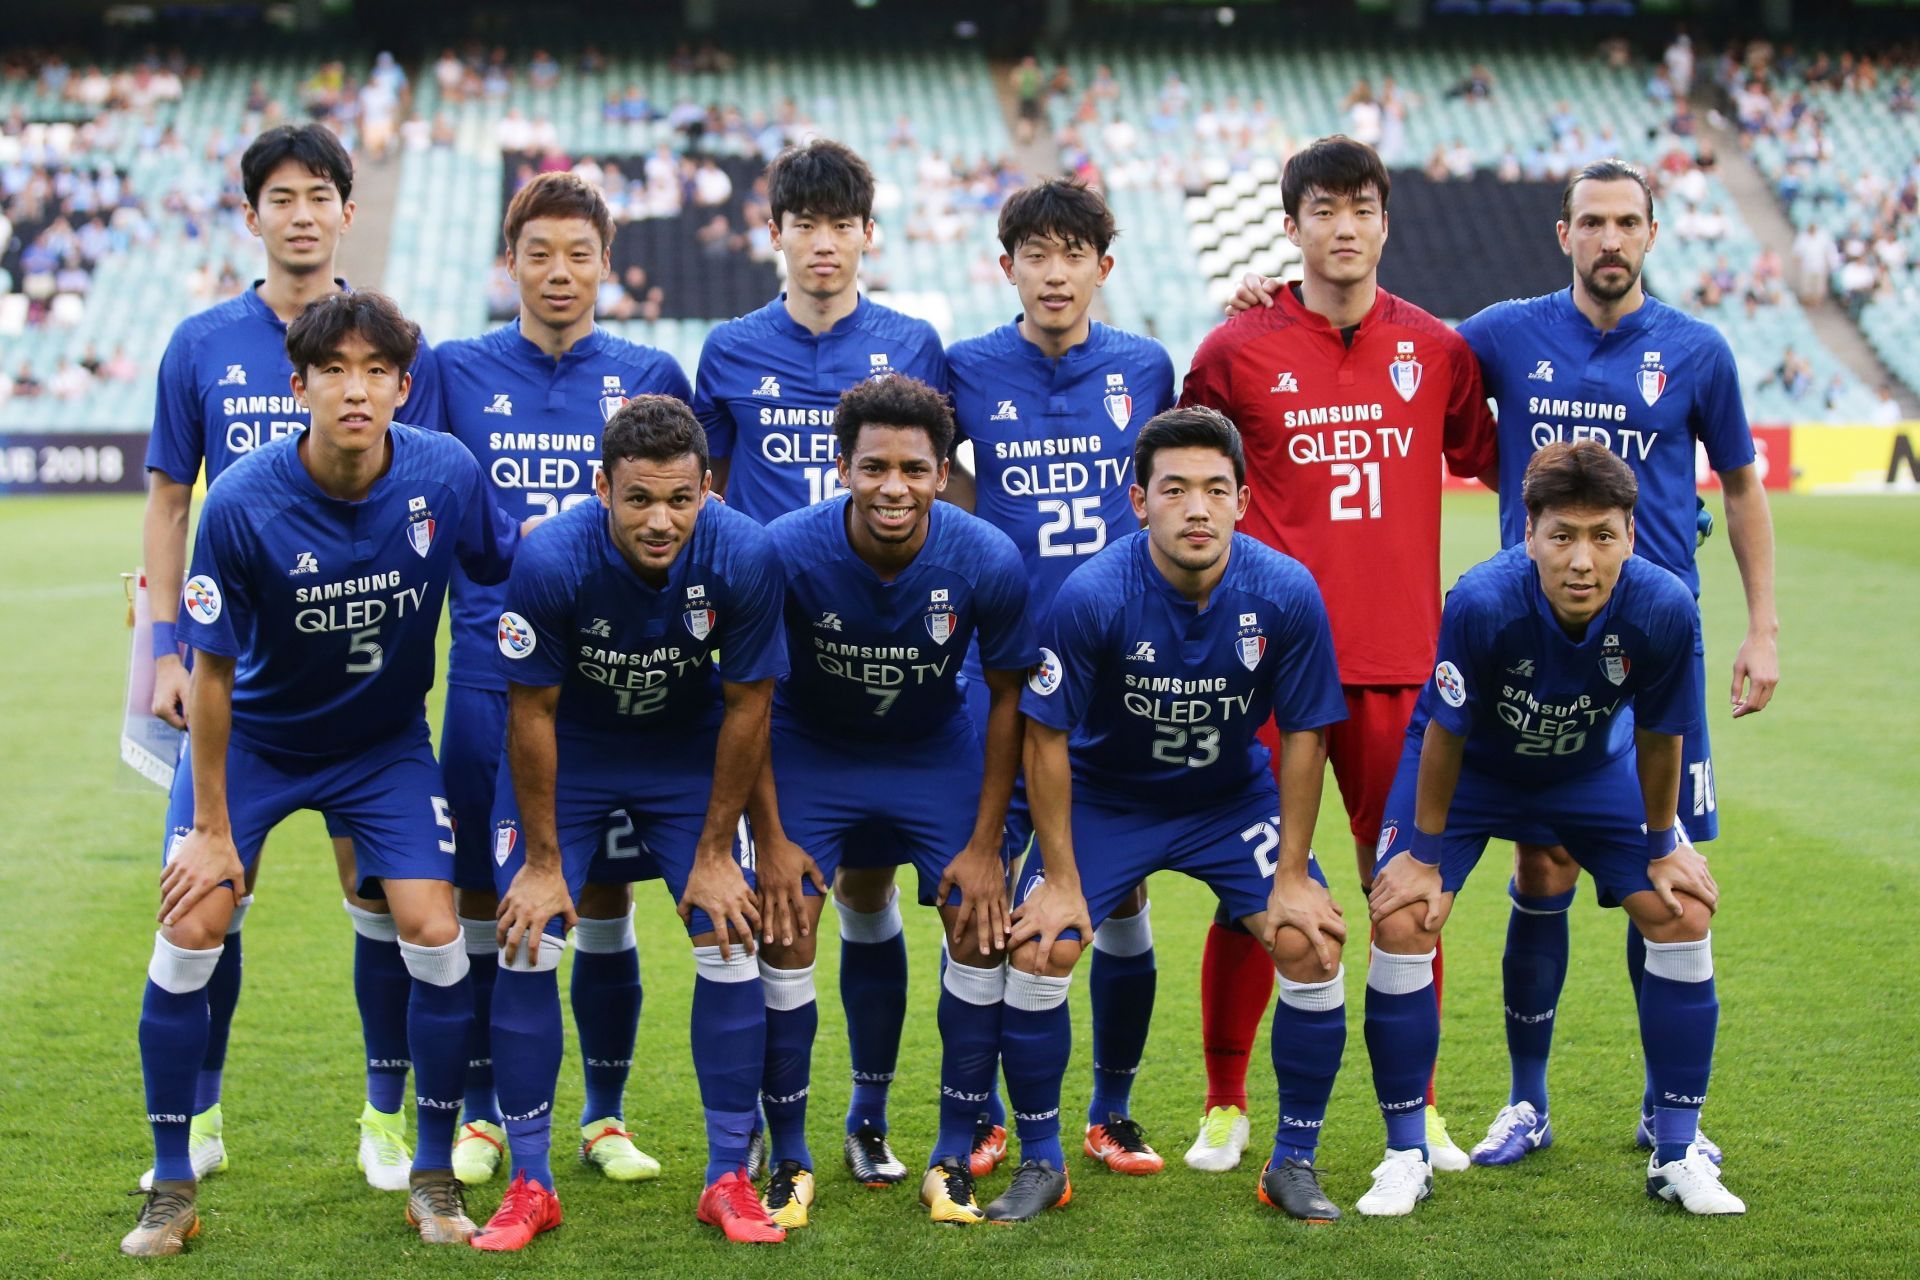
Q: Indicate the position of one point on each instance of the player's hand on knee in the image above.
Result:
(535, 897)
(1048, 912)
(1756, 672)
(718, 888)
(1683, 871)
(170, 681)
(782, 869)
(1403, 882)
(981, 878)
(199, 864)
(1254, 290)
(1303, 903)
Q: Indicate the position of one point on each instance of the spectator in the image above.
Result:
(119, 367)
(1508, 167)
(1363, 114)
(1477, 86)
(1459, 161)
(711, 185)
(1436, 166)
(1679, 64)
(25, 385)
(1707, 293)
(1886, 409)
(70, 381)
(1027, 92)
(1793, 374)
(1815, 258)
(543, 73)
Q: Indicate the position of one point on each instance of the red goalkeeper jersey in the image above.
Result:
(1345, 442)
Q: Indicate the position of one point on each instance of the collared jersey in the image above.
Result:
(1648, 389)
(224, 389)
(534, 423)
(1344, 451)
(1053, 440)
(631, 657)
(1537, 706)
(768, 387)
(330, 608)
(1162, 700)
(877, 660)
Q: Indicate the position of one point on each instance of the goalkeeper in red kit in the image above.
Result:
(1350, 401)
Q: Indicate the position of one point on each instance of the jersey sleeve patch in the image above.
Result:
(202, 598)
(515, 636)
(1045, 677)
(1453, 689)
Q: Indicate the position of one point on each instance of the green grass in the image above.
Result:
(1816, 1096)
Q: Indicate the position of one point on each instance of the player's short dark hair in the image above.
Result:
(1333, 166)
(319, 331)
(1608, 170)
(1063, 208)
(653, 429)
(313, 145)
(895, 401)
(558, 195)
(1583, 474)
(821, 177)
(1194, 427)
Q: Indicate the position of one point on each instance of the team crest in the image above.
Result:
(1652, 378)
(1405, 372)
(940, 617)
(420, 535)
(1119, 408)
(1615, 667)
(1387, 833)
(700, 622)
(505, 836)
(1251, 649)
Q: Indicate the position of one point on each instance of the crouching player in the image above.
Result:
(876, 761)
(1566, 682)
(314, 602)
(614, 615)
(1165, 653)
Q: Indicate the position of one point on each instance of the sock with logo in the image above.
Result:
(729, 1052)
(1679, 1016)
(382, 990)
(793, 1020)
(873, 991)
(1403, 1039)
(970, 1015)
(483, 953)
(606, 999)
(173, 1044)
(1120, 987)
(1533, 971)
(223, 996)
(1309, 1038)
(1036, 1040)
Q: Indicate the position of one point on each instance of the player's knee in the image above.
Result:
(1294, 955)
(798, 954)
(1405, 932)
(1543, 871)
(183, 960)
(864, 889)
(605, 901)
(1059, 962)
(1691, 925)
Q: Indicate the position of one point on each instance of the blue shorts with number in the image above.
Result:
(880, 805)
(1596, 815)
(387, 797)
(472, 735)
(666, 802)
(1232, 846)
(1699, 806)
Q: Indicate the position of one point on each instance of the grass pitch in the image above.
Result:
(1816, 1096)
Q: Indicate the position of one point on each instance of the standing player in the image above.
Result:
(222, 393)
(1565, 686)
(1349, 398)
(614, 618)
(1051, 401)
(1164, 655)
(528, 400)
(1605, 361)
(768, 386)
(318, 575)
(876, 761)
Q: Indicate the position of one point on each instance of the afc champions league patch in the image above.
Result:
(1652, 380)
(1405, 371)
(1453, 690)
(1118, 402)
(1045, 677)
(940, 617)
(515, 635)
(202, 599)
(613, 397)
(420, 524)
(699, 617)
(1252, 643)
(505, 836)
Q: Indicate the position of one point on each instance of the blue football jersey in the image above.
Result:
(1647, 390)
(768, 387)
(535, 425)
(880, 661)
(330, 609)
(1537, 706)
(1053, 440)
(631, 657)
(1162, 700)
(224, 389)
